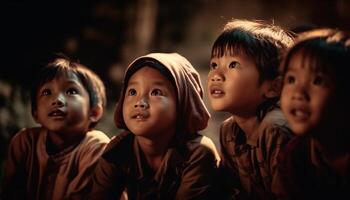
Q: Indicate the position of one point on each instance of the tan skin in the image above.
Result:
(233, 86)
(149, 111)
(64, 110)
(309, 105)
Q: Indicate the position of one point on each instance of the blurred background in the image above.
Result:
(107, 35)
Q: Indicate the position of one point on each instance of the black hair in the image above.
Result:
(62, 65)
(327, 51)
(264, 43)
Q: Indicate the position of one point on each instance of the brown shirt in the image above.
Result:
(186, 172)
(306, 174)
(30, 173)
(249, 164)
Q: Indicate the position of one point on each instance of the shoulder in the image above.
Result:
(202, 146)
(92, 145)
(274, 126)
(274, 118)
(227, 122)
(96, 136)
(26, 136)
(119, 147)
(226, 127)
(24, 143)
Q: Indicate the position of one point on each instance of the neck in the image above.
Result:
(154, 149)
(56, 142)
(247, 124)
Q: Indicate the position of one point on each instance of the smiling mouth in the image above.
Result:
(300, 115)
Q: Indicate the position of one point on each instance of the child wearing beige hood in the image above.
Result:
(160, 155)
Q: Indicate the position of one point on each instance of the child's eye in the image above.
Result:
(156, 92)
(290, 79)
(213, 65)
(72, 91)
(45, 92)
(318, 80)
(131, 92)
(233, 64)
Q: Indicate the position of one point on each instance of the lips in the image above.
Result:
(300, 114)
(57, 114)
(140, 116)
(216, 91)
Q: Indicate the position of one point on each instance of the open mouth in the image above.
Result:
(300, 114)
(139, 116)
(57, 113)
(216, 91)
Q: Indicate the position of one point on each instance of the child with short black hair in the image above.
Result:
(160, 155)
(315, 101)
(244, 81)
(56, 160)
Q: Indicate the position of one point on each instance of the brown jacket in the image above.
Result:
(187, 172)
(30, 173)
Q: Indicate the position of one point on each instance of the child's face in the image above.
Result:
(233, 85)
(149, 107)
(306, 96)
(63, 105)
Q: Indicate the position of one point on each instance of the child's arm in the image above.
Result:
(108, 181)
(93, 148)
(199, 175)
(15, 177)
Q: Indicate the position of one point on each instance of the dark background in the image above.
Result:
(107, 35)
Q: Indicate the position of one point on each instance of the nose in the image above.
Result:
(59, 100)
(141, 103)
(300, 93)
(217, 77)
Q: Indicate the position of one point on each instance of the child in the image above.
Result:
(243, 80)
(160, 155)
(315, 101)
(55, 161)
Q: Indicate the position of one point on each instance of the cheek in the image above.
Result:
(165, 107)
(284, 97)
(125, 109)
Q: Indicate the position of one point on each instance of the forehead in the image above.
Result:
(304, 60)
(229, 50)
(61, 78)
(150, 74)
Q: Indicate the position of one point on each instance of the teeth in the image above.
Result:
(217, 92)
(139, 117)
(56, 114)
(299, 113)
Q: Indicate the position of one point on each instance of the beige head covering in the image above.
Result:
(192, 114)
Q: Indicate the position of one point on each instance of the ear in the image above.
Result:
(96, 113)
(274, 88)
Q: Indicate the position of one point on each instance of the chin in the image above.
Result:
(299, 131)
(217, 107)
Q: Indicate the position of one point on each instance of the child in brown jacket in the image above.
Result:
(160, 155)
